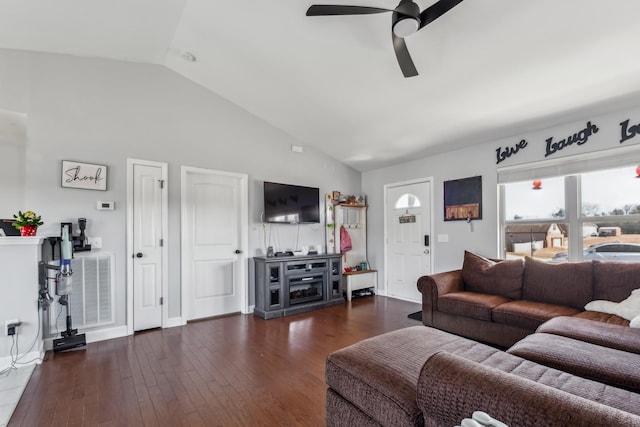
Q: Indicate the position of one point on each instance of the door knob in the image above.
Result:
(426, 251)
(139, 255)
(238, 251)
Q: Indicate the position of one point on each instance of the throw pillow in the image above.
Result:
(496, 277)
(569, 283)
(628, 309)
(602, 306)
(614, 281)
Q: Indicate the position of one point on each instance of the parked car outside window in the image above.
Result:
(607, 251)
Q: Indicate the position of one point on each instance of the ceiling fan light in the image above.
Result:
(405, 27)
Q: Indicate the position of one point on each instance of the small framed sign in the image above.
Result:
(87, 176)
(463, 199)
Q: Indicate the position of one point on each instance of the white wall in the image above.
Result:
(453, 165)
(13, 139)
(481, 160)
(102, 111)
(19, 286)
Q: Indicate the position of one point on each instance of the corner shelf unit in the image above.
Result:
(296, 284)
(354, 219)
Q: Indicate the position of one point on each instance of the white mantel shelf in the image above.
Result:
(20, 240)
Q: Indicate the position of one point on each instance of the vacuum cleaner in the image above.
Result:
(70, 339)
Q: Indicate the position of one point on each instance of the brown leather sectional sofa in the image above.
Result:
(578, 368)
(502, 301)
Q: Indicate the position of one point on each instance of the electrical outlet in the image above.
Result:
(10, 326)
(95, 242)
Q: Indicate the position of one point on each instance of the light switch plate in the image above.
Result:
(443, 238)
(95, 242)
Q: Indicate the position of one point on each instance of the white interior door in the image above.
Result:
(147, 246)
(408, 221)
(213, 226)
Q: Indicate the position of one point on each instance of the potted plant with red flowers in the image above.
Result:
(27, 222)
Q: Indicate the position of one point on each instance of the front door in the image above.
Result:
(408, 225)
(213, 224)
(148, 192)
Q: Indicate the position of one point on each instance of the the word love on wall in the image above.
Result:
(87, 176)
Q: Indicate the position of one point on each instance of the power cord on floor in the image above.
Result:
(12, 366)
(58, 319)
(16, 359)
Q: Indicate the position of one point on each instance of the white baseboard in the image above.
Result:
(106, 334)
(95, 336)
(172, 322)
(251, 307)
(404, 299)
(31, 358)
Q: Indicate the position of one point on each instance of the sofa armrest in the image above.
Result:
(451, 388)
(435, 285)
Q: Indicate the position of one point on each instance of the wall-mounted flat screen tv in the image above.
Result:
(291, 204)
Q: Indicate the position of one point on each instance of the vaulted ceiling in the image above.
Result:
(487, 69)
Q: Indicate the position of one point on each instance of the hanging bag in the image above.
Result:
(345, 240)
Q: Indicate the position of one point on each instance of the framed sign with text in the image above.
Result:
(87, 176)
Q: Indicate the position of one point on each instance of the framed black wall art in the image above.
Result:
(463, 199)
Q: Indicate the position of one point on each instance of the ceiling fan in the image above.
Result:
(406, 20)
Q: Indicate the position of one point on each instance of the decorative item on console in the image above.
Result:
(356, 200)
(27, 222)
(337, 198)
(363, 266)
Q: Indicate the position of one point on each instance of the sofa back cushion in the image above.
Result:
(614, 281)
(497, 277)
(569, 283)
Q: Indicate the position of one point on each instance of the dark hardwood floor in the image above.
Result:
(237, 370)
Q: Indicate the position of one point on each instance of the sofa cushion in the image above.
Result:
(379, 375)
(610, 366)
(602, 317)
(340, 412)
(451, 388)
(607, 335)
(614, 281)
(529, 314)
(470, 304)
(569, 284)
(502, 277)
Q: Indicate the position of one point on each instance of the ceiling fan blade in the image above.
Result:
(436, 10)
(328, 9)
(404, 59)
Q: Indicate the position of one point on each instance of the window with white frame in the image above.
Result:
(578, 215)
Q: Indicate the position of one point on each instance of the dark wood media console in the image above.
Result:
(295, 284)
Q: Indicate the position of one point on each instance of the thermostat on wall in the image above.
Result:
(105, 206)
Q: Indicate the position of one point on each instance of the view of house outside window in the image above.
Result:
(537, 223)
